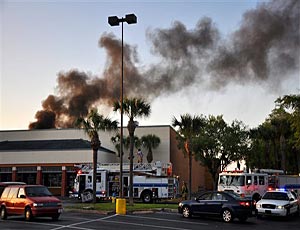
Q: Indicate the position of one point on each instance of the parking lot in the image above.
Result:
(143, 221)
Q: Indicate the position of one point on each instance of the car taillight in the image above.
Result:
(245, 203)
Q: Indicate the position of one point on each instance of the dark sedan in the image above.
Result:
(224, 204)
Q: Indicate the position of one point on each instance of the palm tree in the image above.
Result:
(188, 128)
(150, 142)
(93, 123)
(126, 142)
(133, 108)
(116, 141)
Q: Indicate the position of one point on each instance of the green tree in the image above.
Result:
(116, 141)
(220, 144)
(291, 103)
(274, 143)
(126, 142)
(132, 108)
(188, 128)
(262, 146)
(150, 142)
(92, 124)
(279, 119)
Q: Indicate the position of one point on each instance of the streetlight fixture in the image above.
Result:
(115, 21)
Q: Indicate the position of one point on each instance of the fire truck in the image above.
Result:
(151, 181)
(279, 180)
(250, 185)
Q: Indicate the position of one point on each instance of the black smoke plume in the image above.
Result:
(264, 49)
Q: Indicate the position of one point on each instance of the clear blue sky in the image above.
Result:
(38, 39)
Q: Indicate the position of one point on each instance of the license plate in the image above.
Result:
(268, 212)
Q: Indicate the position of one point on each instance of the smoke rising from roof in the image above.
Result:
(264, 49)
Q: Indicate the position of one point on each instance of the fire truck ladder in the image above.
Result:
(156, 168)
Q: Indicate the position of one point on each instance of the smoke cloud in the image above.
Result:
(264, 49)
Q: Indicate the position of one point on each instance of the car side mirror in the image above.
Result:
(23, 196)
(292, 199)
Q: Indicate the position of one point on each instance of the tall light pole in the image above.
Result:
(115, 21)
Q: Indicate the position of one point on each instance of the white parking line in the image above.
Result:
(106, 219)
(124, 222)
(166, 220)
(84, 222)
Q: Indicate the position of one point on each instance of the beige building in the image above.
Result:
(48, 156)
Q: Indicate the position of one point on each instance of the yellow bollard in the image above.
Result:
(121, 207)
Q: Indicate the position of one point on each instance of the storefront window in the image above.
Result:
(5, 174)
(52, 176)
(26, 174)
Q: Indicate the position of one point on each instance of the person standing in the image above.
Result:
(184, 191)
(140, 156)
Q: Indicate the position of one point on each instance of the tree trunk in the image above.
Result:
(190, 175)
(95, 152)
(297, 152)
(282, 153)
(268, 162)
(150, 156)
(276, 155)
(131, 129)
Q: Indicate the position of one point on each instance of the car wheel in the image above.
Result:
(227, 215)
(55, 217)
(28, 214)
(3, 213)
(146, 197)
(186, 212)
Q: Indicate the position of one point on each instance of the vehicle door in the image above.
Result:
(249, 187)
(11, 200)
(82, 179)
(293, 203)
(100, 183)
(4, 196)
(201, 203)
(255, 184)
(216, 203)
(20, 202)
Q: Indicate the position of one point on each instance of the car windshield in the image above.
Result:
(276, 196)
(232, 180)
(37, 191)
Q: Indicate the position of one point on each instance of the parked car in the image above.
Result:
(227, 205)
(5, 184)
(30, 201)
(277, 203)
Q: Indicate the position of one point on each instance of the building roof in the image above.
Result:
(46, 145)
